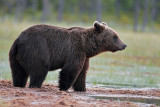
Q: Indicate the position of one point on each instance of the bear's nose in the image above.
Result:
(124, 46)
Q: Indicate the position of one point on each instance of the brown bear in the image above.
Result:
(42, 48)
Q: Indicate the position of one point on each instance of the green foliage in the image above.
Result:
(127, 5)
(73, 9)
(125, 19)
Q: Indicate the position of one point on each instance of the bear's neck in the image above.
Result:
(92, 45)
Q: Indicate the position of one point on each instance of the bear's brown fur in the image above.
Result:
(42, 48)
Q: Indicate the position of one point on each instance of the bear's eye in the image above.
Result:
(115, 38)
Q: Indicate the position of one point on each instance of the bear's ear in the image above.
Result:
(104, 23)
(98, 26)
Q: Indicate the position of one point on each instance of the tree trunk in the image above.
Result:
(92, 8)
(9, 5)
(154, 10)
(81, 9)
(99, 10)
(34, 8)
(34, 5)
(45, 10)
(136, 14)
(20, 7)
(60, 10)
(117, 8)
(145, 16)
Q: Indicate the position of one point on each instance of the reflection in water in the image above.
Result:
(132, 99)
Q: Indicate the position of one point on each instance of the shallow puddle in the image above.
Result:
(136, 99)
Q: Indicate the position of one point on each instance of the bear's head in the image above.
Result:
(108, 38)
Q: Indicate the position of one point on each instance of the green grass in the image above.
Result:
(137, 66)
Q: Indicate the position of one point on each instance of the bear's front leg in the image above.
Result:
(70, 72)
(80, 83)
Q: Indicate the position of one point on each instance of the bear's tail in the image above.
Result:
(19, 76)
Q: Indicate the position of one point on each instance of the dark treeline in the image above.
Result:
(136, 12)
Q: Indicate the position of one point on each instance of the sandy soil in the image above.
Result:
(50, 96)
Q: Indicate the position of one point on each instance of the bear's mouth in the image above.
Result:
(118, 49)
(121, 49)
(114, 51)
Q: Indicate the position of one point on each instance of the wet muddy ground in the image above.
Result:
(50, 96)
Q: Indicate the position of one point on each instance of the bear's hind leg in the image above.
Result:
(37, 78)
(19, 76)
(80, 83)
